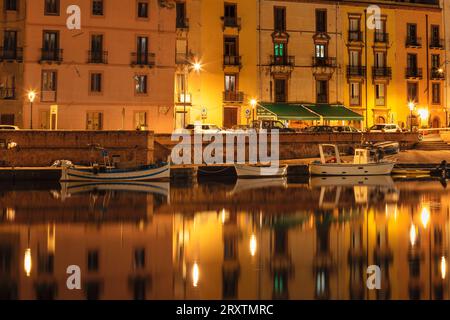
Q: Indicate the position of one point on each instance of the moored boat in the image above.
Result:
(255, 171)
(143, 173)
(362, 164)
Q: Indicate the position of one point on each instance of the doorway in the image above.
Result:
(230, 117)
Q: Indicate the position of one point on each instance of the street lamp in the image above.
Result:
(31, 97)
(411, 106)
(253, 103)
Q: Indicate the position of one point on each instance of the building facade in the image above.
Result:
(114, 73)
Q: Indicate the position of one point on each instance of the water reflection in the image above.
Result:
(250, 239)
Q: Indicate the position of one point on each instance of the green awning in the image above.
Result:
(334, 112)
(285, 111)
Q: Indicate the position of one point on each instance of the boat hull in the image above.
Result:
(145, 174)
(249, 171)
(343, 169)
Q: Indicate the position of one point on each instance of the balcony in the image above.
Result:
(181, 58)
(13, 54)
(7, 93)
(100, 57)
(48, 96)
(282, 64)
(437, 43)
(437, 74)
(355, 36)
(414, 73)
(182, 23)
(233, 96)
(356, 71)
(231, 22)
(51, 55)
(143, 59)
(381, 37)
(413, 42)
(231, 61)
(382, 72)
(324, 62)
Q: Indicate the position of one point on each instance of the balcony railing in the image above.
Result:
(382, 72)
(282, 61)
(437, 74)
(12, 54)
(143, 59)
(232, 61)
(51, 55)
(48, 96)
(233, 96)
(381, 37)
(7, 93)
(324, 62)
(231, 22)
(182, 23)
(98, 57)
(414, 73)
(437, 43)
(355, 35)
(413, 42)
(355, 101)
(356, 71)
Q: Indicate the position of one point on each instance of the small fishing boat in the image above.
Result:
(103, 173)
(255, 171)
(252, 184)
(363, 164)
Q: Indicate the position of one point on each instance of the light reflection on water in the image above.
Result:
(250, 239)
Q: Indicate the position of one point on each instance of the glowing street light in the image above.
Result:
(412, 235)
(425, 217)
(31, 97)
(443, 267)
(195, 274)
(253, 245)
(197, 66)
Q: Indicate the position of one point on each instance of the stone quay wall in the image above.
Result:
(41, 148)
(300, 145)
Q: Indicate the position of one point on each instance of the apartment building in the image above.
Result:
(114, 73)
(216, 57)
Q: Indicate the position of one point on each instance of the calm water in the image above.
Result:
(250, 239)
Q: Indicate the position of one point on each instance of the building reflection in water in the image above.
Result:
(218, 241)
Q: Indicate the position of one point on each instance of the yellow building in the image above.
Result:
(215, 53)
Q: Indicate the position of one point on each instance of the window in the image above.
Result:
(436, 93)
(96, 82)
(380, 59)
(181, 21)
(48, 86)
(355, 58)
(141, 84)
(322, 91)
(97, 7)
(435, 36)
(411, 30)
(355, 93)
(50, 46)
(142, 9)
(279, 49)
(412, 90)
(380, 94)
(354, 32)
(280, 19)
(230, 15)
(230, 51)
(280, 90)
(51, 7)
(7, 86)
(94, 121)
(92, 260)
(321, 51)
(435, 61)
(10, 5)
(412, 62)
(321, 21)
(140, 119)
(230, 82)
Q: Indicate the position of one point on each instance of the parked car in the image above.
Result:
(270, 125)
(319, 129)
(8, 127)
(203, 128)
(241, 128)
(345, 129)
(385, 127)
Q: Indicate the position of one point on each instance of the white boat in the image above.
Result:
(144, 173)
(351, 181)
(254, 171)
(251, 184)
(362, 165)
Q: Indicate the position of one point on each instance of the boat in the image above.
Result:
(103, 173)
(251, 184)
(388, 147)
(362, 165)
(255, 171)
(351, 181)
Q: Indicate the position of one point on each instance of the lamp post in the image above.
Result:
(253, 103)
(31, 97)
(197, 67)
(411, 106)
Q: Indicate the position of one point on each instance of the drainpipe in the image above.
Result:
(367, 68)
(428, 64)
